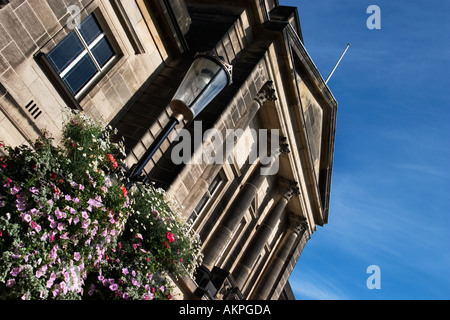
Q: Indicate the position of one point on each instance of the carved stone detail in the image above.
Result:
(297, 224)
(267, 93)
(288, 188)
(284, 146)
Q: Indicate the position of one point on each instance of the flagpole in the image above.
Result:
(332, 71)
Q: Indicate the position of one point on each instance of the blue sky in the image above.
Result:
(390, 195)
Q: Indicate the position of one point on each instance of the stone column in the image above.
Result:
(244, 199)
(271, 273)
(232, 218)
(243, 268)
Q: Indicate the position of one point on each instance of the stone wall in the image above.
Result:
(30, 27)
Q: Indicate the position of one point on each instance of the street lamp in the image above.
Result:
(206, 77)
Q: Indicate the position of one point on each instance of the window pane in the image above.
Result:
(80, 74)
(201, 204)
(214, 184)
(102, 52)
(89, 29)
(65, 52)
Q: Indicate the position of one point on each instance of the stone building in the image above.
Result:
(121, 61)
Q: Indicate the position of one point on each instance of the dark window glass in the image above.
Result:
(89, 29)
(66, 51)
(89, 47)
(102, 52)
(80, 74)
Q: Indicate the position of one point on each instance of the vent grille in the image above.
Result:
(33, 109)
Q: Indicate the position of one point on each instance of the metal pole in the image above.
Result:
(332, 71)
(137, 169)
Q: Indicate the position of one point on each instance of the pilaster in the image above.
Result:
(297, 226)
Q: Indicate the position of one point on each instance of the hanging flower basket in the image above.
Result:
(69, 229)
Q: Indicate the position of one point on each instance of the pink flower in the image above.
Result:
(15, 271)
(34, 190)
(76, 256)
(91, 291)
(84, 214)
(54, 252)
(169, 236)
(10, 283)
(8, 182)
(20, 204)
(60, 214)
(85, 224)
(61, 226)
(50, 281)
(14, 190)
(114, 287)
(35, 226)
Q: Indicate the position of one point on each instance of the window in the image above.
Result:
(82, 54)
(212, 189)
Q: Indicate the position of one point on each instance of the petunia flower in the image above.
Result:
(34, 190)
(14, 190)
(114, 287)
(10, 283)
(20, 205)
(76, 256)
(26, 218)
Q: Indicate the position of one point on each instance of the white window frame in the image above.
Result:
(87, 50)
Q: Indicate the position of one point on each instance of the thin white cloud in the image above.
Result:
(318, 288)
